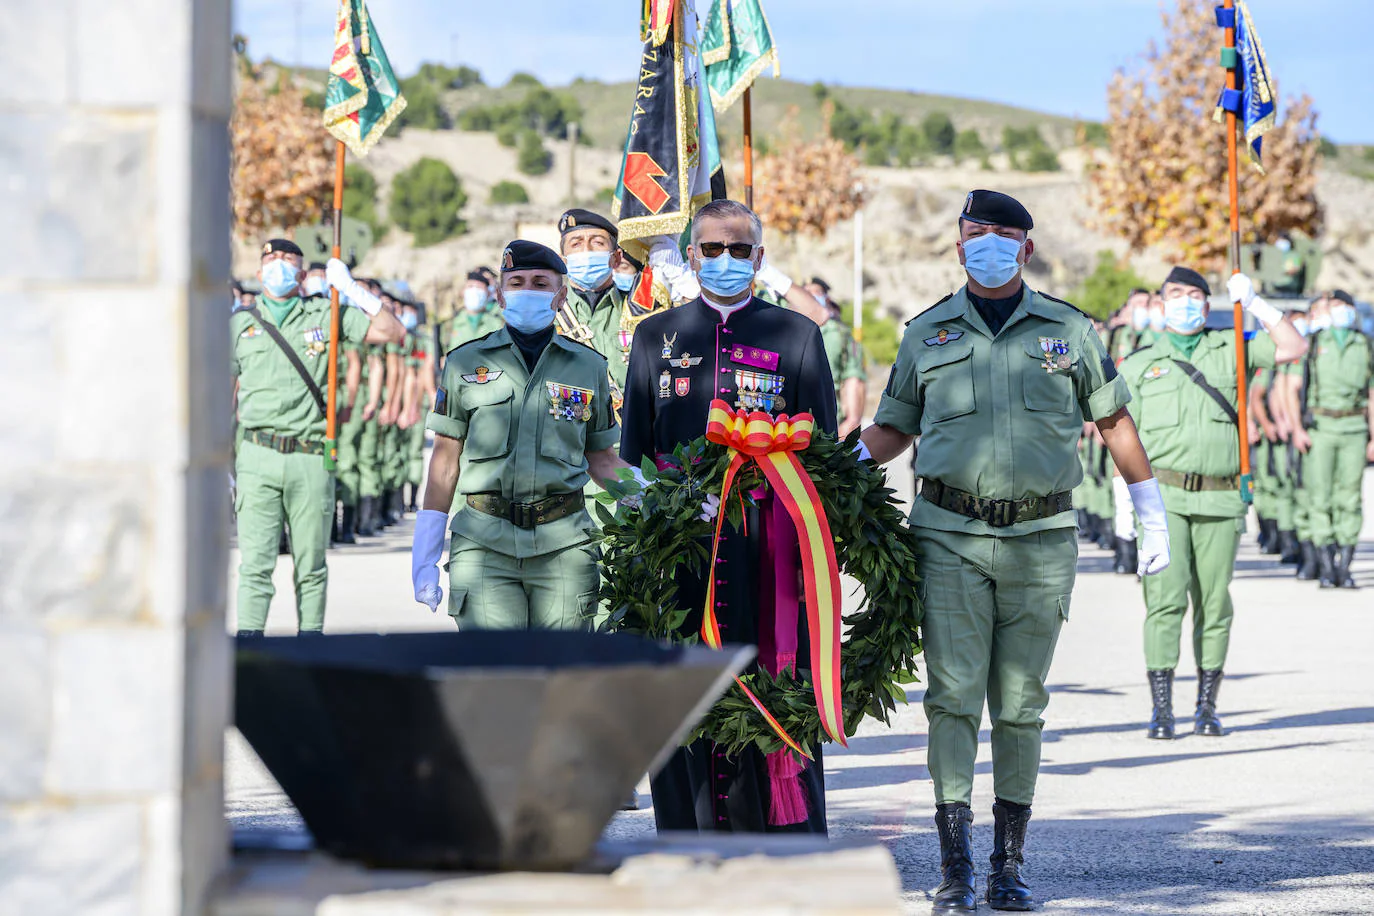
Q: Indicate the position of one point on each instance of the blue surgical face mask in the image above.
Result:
(474, 299)
(1185, 314)
(991, 259)
(1319, 322)
(1156, 321)
(315, 286)
(1300, 325)
(589, 269)
(726, 276)
(1342, 316)
(1140, 318)
(624, 282)
(279, 278)
(529, 310)
(410, 321)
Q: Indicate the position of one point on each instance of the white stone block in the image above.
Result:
(28, 361)
(72, 547)
(83, 859)
(132, 53)
(117, 712)
(35, 53)
(25, 685)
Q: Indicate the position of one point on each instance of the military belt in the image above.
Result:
(1195, 483)
(284, 444)
(1326, 412)
(528, 515)
(999, 513)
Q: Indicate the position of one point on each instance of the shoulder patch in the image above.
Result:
(948, 296)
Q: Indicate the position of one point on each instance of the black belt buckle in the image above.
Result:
(1192, 483)
(522, 515)
(1001, 512)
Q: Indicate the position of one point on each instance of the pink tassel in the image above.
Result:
(787, 797)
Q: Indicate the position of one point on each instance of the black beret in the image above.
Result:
(525, 255)
(479, 277)
(817, 281)
(1343, 296)
(1188, 277)
(487, 272)
(582, 219)
(316, 265)
(993, 208)
(272, 246)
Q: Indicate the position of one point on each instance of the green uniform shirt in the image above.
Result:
(1181, 426)
(846, 356)
(992, 420)
(605, 322)
(469, 326)
(1339, 377)
(516, 441)
(272, 397)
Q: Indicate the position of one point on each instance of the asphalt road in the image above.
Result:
(1277, 817)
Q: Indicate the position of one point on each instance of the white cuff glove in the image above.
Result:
(336, 272)
(1242, 290)
(1154, 545)
(425, 551)
(864, 453)
(774, 279)
(668, 265)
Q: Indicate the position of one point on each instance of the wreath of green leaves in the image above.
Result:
(645, 549)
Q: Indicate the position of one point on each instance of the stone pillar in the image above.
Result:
(114, 445)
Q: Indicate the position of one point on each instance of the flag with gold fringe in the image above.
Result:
(1254, 102)
(736, 47)
(363, 96)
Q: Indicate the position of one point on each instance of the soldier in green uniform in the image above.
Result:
(521, 420)
(280, 465)
(998, 379)
(1184, 388)
(419, 366)
(846, 359)
(1337, 374)
(1293, 393)
(481, 313)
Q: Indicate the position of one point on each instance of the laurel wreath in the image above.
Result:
(645, 548)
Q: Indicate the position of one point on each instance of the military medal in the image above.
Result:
(665, 382)
(626, 338)
(668, 346)
(1056, 354)
(687, 361)
(569, 403)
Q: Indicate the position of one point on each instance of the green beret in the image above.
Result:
(272, 246)
(1189, 277)
(583, 219)
(526, 255)
(993, 208)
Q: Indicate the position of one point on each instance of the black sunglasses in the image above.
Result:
(740, 251)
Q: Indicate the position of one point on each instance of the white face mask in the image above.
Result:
(1156, 321)
(1342, 316)
(474, 299)
(1140, 318)
(1185, 314)
(1319, 322)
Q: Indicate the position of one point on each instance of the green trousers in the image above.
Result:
(1266, 479)
(1202, 557)
(273, 487)
(393, 457)
(369, 460)
(349, 473)
(415, 454)
(993, 610)
(1281, 484)
(1333, 474)
(489, 590)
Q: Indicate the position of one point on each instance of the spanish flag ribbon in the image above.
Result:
(773, 444)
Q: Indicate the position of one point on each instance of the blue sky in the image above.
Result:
(1051, 55)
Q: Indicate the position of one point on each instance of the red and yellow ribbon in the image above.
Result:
(773, 444)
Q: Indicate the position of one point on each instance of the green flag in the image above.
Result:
(736, 46)
(363, 96)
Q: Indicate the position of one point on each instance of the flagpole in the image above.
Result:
(331, 450)
(749, 148)
(1238, 313)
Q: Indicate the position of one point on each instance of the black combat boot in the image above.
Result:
(1344, 557)
(386, 509)
(284, 542)
(1326, 566)
(367, 528)
(1264, 538)
(348, 525)
(1084, 532)
(1289, 551)
(1162, 696)
(955, 893)
(249, 634)
(1205, 721)
(1127, 557)
(1307, 568)
(413, 504)
(334, 526)
(1007, 890)
(1106, 534)
(398, 503)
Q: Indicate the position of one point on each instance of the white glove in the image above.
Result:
(1242, 290)
(773, 278)
(1149, 508)
(336, 272)
(710, 508)
(666, 260)
(864, 453)
(425, 551)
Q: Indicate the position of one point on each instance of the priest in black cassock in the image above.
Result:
(731, 346)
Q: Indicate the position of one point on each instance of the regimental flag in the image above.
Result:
(1254, 102)
(655, 20)
(736, 47)
(672, 159)
(363, 96)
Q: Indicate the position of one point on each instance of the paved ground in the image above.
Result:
(1275, 818)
